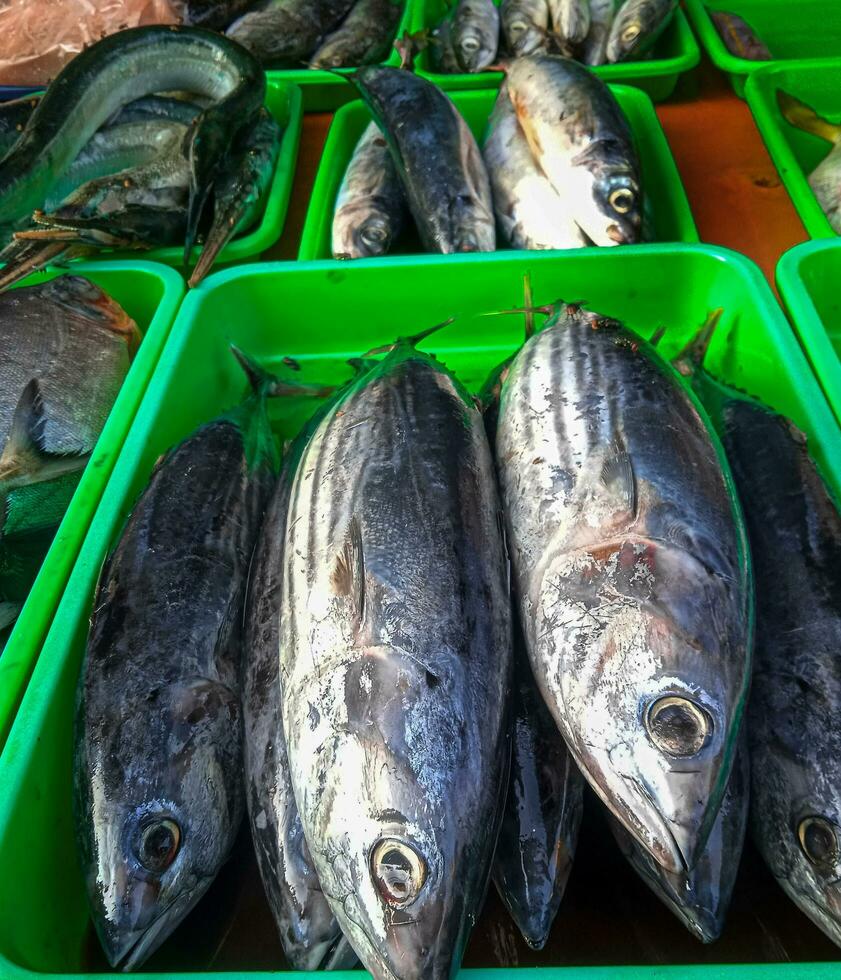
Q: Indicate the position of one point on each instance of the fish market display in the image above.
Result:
(371, 205)
(825, 179)
(738, 36)
(631, 571)
(65, 348)
(395, 662)
(593, 32)
(700, 897)
(140, 199)
(437, 159)
(158, 788)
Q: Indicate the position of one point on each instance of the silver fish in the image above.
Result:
(581, 139)
(395, 645)
(530, 212)
(476, 34)
(636, 27)
(371, 206)
(364, 36)
(700, 897)
(525, 25)
(595, 44)
(570, 19)
(631, 568)
(284, 33)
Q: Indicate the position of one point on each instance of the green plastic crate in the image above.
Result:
(672, 217)
(321, 314)
(794, 152)
(151, 295)
(808, 278)
(675, 53)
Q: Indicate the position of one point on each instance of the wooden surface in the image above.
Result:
(735, 192)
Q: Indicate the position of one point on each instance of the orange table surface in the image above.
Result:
(735, 192)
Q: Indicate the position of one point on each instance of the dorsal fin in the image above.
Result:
(349, 572)
(617, 476)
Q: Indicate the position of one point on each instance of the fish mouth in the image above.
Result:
(615, 234)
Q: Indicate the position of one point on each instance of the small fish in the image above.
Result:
(391, 593)
(441, 50)
(363, 38)
(475, 34)
(570, 20)
(525, 25)
(700, 897)
(825, 179)
(631, 566)
(738, 36)
(594, 52)
(158, 787)
(215, 15)
(580, 138)
(437, 159)
(371, 206)
(636, 27)
(286, 32)
(530, 212)
(539, 833)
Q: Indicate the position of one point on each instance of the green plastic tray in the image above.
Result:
(675, 53)
(672, 217)
(791, 29)
(151, 295)
(284, 102)
(808, 277)
(322, 314)
(794, 152)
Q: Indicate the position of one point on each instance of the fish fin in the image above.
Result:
(657, 336)
(412, 341)
(259, 379)
(360, 365)
(27, 258)
(804, 117)
(9, 612)
(291, 363)
(265, 384)
(349, 572)
(617, 476)
(528, 302)
(691, 358)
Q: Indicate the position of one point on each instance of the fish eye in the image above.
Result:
(518, 27)
(399, 872)
(159, 843)
(470, 44)
(374, 234)
(631, 33)
(677, 726)
(818, 841)
(622, 200)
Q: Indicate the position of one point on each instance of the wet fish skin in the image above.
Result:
(363, 38)
(475, 34)
(371, 205)
(406, 787)
(570, 19)
(287, 32)
(215, 15)
(442, 52)
(525, 25)
(530, 212)
(700, 898)
(158, 789)
(14, 116)
(595, 44)
(795, 537)
(637, 26)
(539, 832)
(738, 36)
(581, 139)
(627, 564)
(437, 159)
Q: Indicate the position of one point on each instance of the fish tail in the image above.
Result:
(804, 117)
(264, 384)
(411, 341)
(691, 358)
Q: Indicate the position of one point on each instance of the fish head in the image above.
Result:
(609, 206)
(650, 702)
(524, 36)
(473, 49)
(158, 805)
(636, 27)
(362, 230)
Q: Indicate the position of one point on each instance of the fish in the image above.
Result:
(539, 832)
(363, 38)
(825, 179)
(475, 34)
(395, 640)
(119, 69)
(215, 15)
(739, 37)
(437, 159)
(529, 211)
(242, 189)
(151, 108)
(631, 568)
(441, 50)
(700, 897)
(637, 26)
(14, 115)
(580, 138)
(371, 205)
(525, 25)
(570, 19)
(158, 788)
(287, 32)
(594, 52)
